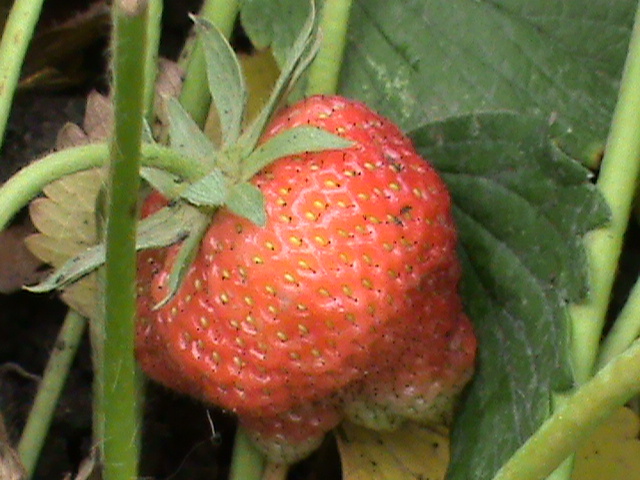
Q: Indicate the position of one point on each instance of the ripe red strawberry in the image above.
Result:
(350, 286)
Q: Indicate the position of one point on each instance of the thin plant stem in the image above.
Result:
(195, 97)
(17, 34)
(46, 400)
(247, 462)
(625, 330)
(617, 182)
(324, 72)
(154, 27)
(591, 404)
(119, 384)
(20, 189)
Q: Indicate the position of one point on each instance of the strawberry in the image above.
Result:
(299, 271)
(345, 301)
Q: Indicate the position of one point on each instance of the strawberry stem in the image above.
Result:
(576, 418)
(324, 72)
(617, 182)
(20, 189)
(154, 27)
(195, 96)
(45, 403)
(625, 329)
(17, 34)
(247, 462)
(117, 386)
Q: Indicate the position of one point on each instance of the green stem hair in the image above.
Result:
(118, 383)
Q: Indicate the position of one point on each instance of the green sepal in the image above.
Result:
(300, 55)
(186, 255)
(211, 190)
(170, 185)
(167, 226)
(246, 200)
(291, 142)
(185, 135)
(226, 80)
(147, 132)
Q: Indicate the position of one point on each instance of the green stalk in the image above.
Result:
(119, 380)
(617, 182)
(591, 404)
(625, 330)
(17, 34)
(247, 462)
(324, 72)
(53, 379)
(154, 27)
(195, 97)
(20, 189)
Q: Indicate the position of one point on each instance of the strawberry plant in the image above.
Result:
(313, 268)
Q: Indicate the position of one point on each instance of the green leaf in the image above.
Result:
(185, 256)
(521, 208)
(418, 61)
(169, 225)
(291, 142)
(274, 23)
(147, 133)
(247, 201)
(300, 54)
(211, 190)
(226, 81)
(168, 184)
(185, 135)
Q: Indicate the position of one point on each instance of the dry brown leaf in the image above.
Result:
(71, 135)
(613, 451)
(10, 466)
(411, 452)
(88, 469)
(98, 118)
(18, 266)
(65, 218)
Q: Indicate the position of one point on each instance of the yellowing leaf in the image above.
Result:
(65, 219)
(613, 451)
(411, 452)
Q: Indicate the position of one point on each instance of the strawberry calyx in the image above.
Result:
(229, 163)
